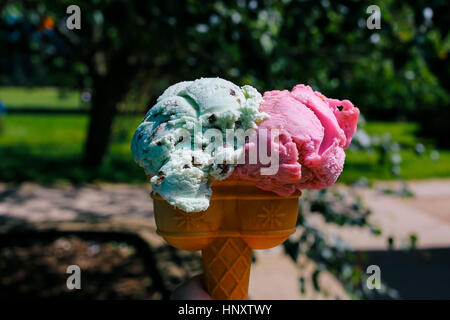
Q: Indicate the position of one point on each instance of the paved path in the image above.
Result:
(125, 208)
(426, 215)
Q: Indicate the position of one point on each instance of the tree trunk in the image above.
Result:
(103, 111)
(108, 91)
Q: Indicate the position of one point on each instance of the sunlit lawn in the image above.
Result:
(48, 98)
(413, 166)
(48, 148)
(401, 132)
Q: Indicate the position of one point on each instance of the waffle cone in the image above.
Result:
(240, 217)
(226, 265)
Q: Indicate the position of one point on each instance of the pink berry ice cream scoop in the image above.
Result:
(313, 133)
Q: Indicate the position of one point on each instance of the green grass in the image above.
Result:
(52, 98)
(413, 166)
(402, 132)
(48, 149)
(63, 133)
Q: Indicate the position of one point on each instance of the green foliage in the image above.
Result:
(397, 71)
(330, 253)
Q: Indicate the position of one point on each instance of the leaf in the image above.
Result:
(315, 280)
(302, 285)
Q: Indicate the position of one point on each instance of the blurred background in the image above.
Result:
(70, 100)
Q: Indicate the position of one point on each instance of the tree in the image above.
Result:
(121, 44)
(146, 46)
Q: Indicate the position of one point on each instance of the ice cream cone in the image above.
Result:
(241, 217)
(226, 265)
(238, 217)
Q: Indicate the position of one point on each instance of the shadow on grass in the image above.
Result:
(114, 266)
(19, 164)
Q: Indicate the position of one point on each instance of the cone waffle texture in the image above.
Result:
(241, 217)
(226, 264)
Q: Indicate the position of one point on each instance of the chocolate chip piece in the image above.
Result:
(160, 173)
(161, 178)
(140, 136)
(193, 162)
(186, 166)
(212, 118)
(224, 167)
(159, 143)
(232, 92)
(157, 114)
